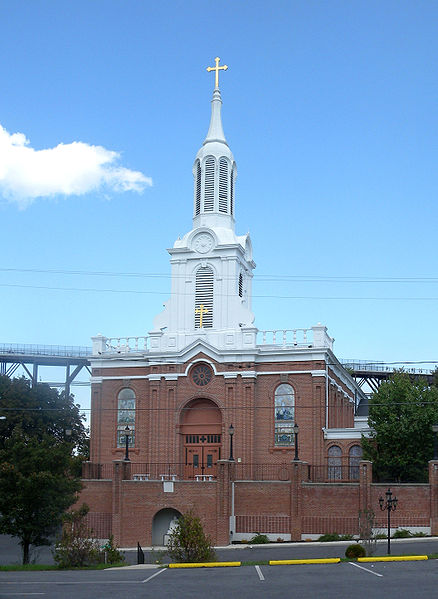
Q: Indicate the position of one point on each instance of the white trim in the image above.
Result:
(344, 433)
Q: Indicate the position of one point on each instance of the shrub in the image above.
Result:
(419, 534)
(259, 539)
(402, 533)
(333, 536)
(112, 553)
(75, 548)
(188, 542)
(355, 551)
(346, 538)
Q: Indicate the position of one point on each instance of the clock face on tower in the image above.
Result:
(203, 243)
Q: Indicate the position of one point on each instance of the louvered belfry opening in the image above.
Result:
(233, 175)
(240, 285)
(223, 185)
(209, 184)
(197, 188)
(204, 297)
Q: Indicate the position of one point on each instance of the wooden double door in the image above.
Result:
(202, 451)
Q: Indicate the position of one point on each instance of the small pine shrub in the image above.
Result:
(113, 555)
(346, 538)
(259, 539)
(419, 534)
(380, 535)
(402, 533)
(355, 551)
(333, 536)
(188, 541)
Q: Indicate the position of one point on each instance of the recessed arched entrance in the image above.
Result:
(162, 525)
(201, 428)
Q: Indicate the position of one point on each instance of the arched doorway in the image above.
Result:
(201, 428)
(162, 525)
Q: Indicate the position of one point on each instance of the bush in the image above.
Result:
(75, 548)
(402, 533)
(346, 538)
(259, 539)
(333, 536)
(355, 551)
(188, 542)
(111, 553)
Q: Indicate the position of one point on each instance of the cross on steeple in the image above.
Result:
(217, 68)
(201, 311)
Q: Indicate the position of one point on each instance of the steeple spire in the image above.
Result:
(215, 131)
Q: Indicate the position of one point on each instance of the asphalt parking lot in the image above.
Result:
(391, 580)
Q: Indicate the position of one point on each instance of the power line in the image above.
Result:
(261, 276)
(167, 293)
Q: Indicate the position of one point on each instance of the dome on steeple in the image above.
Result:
(214, 171)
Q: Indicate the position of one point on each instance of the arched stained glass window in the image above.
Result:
(354, 457)
(125, 416)
(284, 415)
(334, 463)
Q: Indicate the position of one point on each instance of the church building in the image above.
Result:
(254, 430)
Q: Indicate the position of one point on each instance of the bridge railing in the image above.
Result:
(64, 351)
(375, 366)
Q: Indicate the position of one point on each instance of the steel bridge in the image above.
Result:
(74, 359)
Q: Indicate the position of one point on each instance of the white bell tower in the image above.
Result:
(211, 266)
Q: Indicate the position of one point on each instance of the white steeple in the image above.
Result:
(211, 265)
(214, 171)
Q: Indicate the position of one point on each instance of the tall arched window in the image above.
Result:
(204, 284)
(354, 457)
(223, 185)
(125, 416)
(334, 463)
(197, 188)
(284, 414)
(209, 185)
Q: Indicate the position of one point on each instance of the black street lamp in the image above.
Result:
(127, 435)
(231, 432)
(296, 429)
(435, 443)
(390, 505)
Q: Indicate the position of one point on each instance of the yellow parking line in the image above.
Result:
(281, 562)
(205, 565)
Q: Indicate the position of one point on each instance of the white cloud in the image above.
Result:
(68, 169)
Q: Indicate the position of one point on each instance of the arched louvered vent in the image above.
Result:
(223, 185)
(204, 298)
(209, 185)
(198, 188)
(240, 285)
(233, 174)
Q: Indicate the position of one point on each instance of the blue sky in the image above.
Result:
(330, 109)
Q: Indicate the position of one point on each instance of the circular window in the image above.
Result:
(202, 374)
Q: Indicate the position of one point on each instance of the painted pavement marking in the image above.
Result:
(153, 575)
(366, 569)
(259, 572)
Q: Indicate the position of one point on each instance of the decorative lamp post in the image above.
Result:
(296, 429)
(390, 505)
(231, 432)
(127, 435)
(435, 443)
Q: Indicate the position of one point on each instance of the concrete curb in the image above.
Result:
(206, 565)
(283, 562)
(393, 558)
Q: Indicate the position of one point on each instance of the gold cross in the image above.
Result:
(217, 68)
(201, 311)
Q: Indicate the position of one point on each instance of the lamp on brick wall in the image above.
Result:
(390, 505)
(435, 443)
(231, 433)
(127, 435)
(296, 429)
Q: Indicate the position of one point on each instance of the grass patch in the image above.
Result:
(260, 562)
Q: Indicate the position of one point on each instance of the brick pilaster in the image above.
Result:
(298, 471)
(433, 482)
(225, 477)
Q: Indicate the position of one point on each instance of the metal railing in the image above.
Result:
(63, 351)
(333, 474)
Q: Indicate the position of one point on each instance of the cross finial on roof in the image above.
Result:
(217, 68)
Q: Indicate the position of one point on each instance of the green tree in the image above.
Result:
(188, 541)
(401, 415)
(39, 440)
